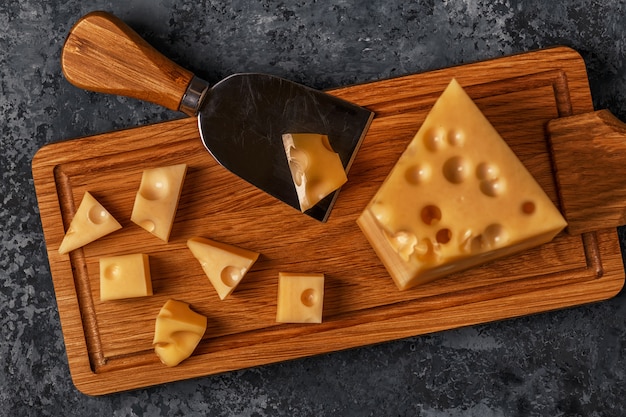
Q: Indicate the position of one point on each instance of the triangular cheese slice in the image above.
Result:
(457, 197)
(225, 265)
(91, 222)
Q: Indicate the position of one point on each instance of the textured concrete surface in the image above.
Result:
(565, 363)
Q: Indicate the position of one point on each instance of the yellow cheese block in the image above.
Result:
(457, 197)
(300, 298)
(125, 276)
(315, 167)
(177, 332)
(224, 264)
(91, 222)
(157, 199)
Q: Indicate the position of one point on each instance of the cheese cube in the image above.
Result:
(177, 332)
(457, 197)
(125, 276)
(300, 298)
(225, 265)
(315, 167)
(91, 222)
(157, 199)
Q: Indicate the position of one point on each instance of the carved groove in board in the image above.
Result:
(516, 84)
(80, 275)
(554, 78)
(64, 193)
(592, 254)
(563, 99)
(564, 108)
(87, 308)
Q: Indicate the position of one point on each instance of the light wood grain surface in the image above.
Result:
(109, 343)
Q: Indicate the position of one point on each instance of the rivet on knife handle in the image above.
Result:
(105, 55)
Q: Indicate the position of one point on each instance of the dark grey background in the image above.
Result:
(565, 363)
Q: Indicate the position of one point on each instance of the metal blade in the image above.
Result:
(244, 116)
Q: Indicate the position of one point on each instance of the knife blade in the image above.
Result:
(241, 118)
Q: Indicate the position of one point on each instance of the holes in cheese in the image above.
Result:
(157, 199)
(300, 298)
(225, 265)
(316, 168)
(177, 332)
(125, 276)
(91, 221)
(457, 197)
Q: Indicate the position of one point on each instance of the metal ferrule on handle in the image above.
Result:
(194, 96)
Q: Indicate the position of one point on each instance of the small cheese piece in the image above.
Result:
(456, 198)
(177, 332)
(224, 264)
(157, 199)
(125, 276)
(300, 298)
(315, 167)
(91, 222)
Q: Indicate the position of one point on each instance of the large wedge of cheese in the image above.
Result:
(457, 197)
(316, 168)
(225, 265)
(91, 222)
(156, 201)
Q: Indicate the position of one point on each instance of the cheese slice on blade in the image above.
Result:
(91, 222)
(457, 197)
(225, 265)
(157, 199)
(177, 332)
(316, 168)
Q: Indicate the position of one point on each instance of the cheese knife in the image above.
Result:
(241, 119)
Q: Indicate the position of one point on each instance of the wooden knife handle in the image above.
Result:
(105, 55)
(589, 153)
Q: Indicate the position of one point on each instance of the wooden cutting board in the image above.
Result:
(109, 343)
